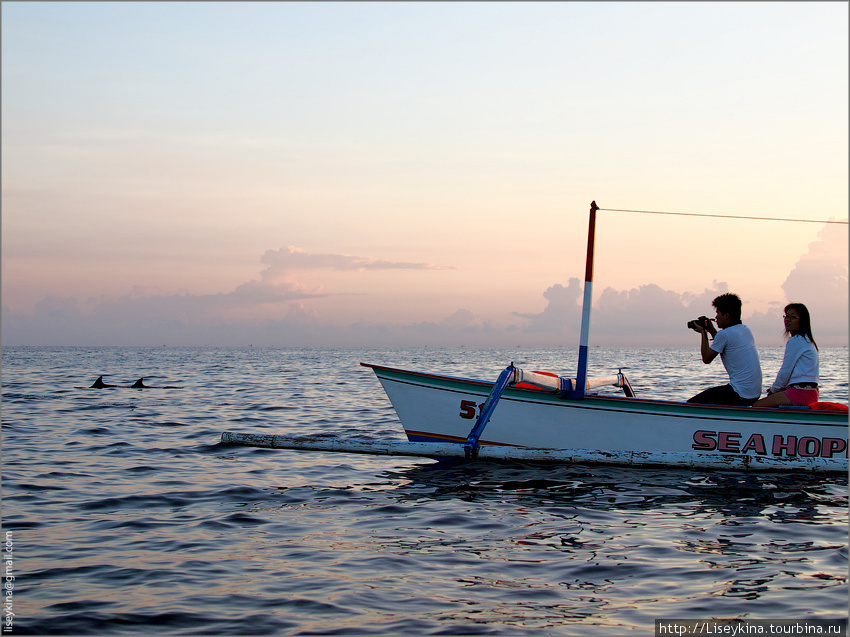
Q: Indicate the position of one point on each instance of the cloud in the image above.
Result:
(297, 313)
(820, 279)
(644, 316)
(821, 273)
(276, 310)
(260, 292)
(290, 258)
(268, 310)
(560, 312)
(651, 316)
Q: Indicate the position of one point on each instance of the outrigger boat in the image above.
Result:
(545, 418)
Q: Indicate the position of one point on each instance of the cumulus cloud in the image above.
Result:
(462, 319)
(264, 291)
(651, 316)
(560, 312)
(646, 315)
(819, 280)
(297, 313)
(821, 273)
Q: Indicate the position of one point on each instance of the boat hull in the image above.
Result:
(614, 430)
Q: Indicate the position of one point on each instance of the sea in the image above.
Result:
(123, 514)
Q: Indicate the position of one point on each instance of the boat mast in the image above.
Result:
(581, 374)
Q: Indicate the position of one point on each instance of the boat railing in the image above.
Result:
(561, 385)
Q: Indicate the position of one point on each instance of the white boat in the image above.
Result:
(583, 428)
(615, 430)
(540, 417)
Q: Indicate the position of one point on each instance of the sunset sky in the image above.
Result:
(387, 174)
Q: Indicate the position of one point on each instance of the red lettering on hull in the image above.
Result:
(790, 446)
(727, 441)
(808, 447)
(755, 443)
(831, 446)
(703, 440)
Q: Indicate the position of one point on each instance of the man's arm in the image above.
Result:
(708, 354)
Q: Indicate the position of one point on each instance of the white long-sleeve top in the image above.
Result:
(800, 364)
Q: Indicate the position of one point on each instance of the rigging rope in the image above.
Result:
(693, 214)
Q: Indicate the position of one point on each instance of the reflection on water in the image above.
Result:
(132, 518)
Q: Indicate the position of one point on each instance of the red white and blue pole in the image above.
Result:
(581, 374)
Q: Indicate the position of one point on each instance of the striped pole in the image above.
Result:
(581, 374)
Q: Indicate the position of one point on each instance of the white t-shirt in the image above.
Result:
(800, 364)
(737, 349)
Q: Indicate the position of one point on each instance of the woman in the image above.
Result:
(797, 380)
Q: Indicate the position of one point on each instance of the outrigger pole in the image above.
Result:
(507, 377)
(487, 452)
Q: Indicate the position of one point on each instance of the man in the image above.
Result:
(736, 346)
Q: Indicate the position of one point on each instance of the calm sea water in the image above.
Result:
(125, 515)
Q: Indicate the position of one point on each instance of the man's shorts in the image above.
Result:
(722, 395)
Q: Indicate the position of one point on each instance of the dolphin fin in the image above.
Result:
(99, 384)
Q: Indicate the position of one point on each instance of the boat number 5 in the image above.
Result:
(467, 408)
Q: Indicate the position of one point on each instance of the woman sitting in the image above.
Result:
(797, 380)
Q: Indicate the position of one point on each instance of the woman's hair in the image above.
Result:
(805, 321)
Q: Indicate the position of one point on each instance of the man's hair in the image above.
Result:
(729, 304)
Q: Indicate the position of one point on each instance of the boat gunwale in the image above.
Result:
(762, 414)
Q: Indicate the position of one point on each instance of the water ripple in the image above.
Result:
(129, 517)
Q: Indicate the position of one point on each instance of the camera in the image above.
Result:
(702, 322)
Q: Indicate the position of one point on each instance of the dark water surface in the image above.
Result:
(128, 517)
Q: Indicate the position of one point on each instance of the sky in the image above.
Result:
(418, 174)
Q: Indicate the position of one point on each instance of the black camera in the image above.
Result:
(702, 322)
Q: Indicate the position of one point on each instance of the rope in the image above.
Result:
(693, 214)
